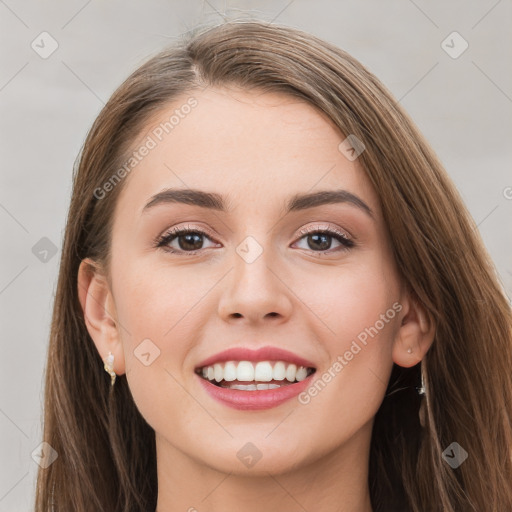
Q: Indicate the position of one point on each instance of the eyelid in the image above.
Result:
(179, 228)
(303, 231)
(326, 227)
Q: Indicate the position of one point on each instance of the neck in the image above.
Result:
(336, 482)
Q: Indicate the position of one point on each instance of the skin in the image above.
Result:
(258, 150)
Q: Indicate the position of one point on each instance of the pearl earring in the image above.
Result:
(109, 367)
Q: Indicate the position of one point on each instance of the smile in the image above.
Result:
(246, 379)
(261, 375)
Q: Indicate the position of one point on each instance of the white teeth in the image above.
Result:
(218, 372)
(290, 372)
(245, 371)
(229, 371)
(243, 387)
(279, 371)
(301, 373)
(260, 372)
(263, 371)
(267, 386)
(253, 387)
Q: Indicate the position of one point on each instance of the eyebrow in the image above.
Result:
(217, 202)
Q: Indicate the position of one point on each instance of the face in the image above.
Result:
(317, 281)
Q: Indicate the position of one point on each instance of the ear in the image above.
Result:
(99, 311)
(415, 334)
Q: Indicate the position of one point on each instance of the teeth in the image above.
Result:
(245, 371)
(301, 373)
(253, 387)
(279, 372)
(229, 371)
(290, 372)
(218, 372)
(262, 372)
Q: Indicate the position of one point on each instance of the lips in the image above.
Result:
(254, 400)
(242, 378)
(263, 354)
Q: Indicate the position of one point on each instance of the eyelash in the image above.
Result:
(165, 239)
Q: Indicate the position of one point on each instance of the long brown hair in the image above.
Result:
(106, 450)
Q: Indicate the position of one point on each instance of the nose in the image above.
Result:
(256, 292)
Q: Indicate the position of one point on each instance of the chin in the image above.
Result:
(256, 456)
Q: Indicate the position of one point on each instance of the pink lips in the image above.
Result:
(262, 354)
(261, 399)
(254, 400)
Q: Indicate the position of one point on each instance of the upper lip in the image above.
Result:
(267, 353)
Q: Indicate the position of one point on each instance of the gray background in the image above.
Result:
(463, 105)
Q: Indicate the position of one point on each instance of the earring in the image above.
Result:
(109, 367)
(421, 390)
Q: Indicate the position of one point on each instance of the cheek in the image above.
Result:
(349, 299)
(154, 307)
(155, 301)
(158, 309)
(358, 308)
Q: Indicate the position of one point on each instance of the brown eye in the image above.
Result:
(321, 240)
(189, 242)
(185, 240)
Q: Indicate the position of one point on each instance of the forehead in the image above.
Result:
(255, 148)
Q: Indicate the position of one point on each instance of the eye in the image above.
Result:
(189, 241)
(319, 239)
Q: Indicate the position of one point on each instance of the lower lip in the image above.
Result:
(255, 400)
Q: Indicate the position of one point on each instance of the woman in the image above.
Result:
(290, 300)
